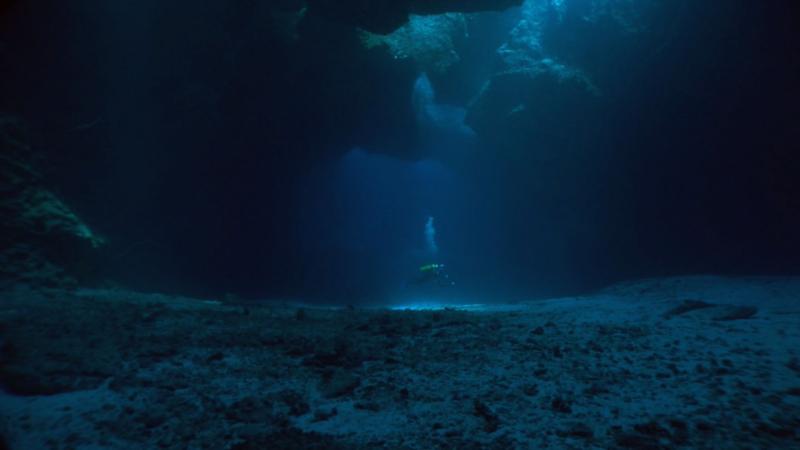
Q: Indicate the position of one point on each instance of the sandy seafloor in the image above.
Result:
(700, 362)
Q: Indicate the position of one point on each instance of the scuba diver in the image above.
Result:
(434, 274)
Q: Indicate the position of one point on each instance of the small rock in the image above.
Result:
(794, 365)
(492, 422)
(637, 441)
(530, 390)
(245, 431)
(596, 389)
(738, 313)
(151, 420)
(367, 406)
(321, 415)
(26, 382)
(652, 429)
(249, 410)
(680, 432)
(216, 356)
(578, 430)
(685, 307)
(340, 384)
(704, 427)
(558, 404)
(296, 403)
(779, 431)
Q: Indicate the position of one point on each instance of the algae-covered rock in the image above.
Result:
(36, 210)
(41, 235)
(27, 206)
(428, 40)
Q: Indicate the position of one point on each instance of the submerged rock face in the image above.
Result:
(428, 40)
(539, 85)
(385, 16)
(440, 126)
(531, 104)
(40, 233)
(543, 76)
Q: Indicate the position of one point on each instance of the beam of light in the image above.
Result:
(430, 236)
(433, 305)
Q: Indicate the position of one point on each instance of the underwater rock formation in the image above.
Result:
(428, 40)
(38, 211)
(532, 92)
(629, 15)
(285, 17)
(544, 81)
(387, 15)
(40, 233)
(441, 126)
(530, 104)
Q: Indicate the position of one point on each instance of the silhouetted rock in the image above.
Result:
(295, 401)
(652, 429)
(21, 382)
(491, 421)
(738, 313)
(578, 430)
(530, 104)
(322, 415)
(561, 405)
(340, 383)
(41, 238)
(385, 16)
(686, 306)
(250, 410)
(638, 442)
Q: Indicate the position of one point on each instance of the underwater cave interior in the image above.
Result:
(399, 224)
